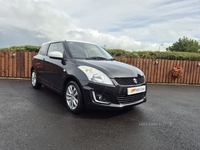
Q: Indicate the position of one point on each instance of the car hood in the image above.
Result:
(111, 68)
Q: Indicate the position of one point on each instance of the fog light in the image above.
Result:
(100, 98)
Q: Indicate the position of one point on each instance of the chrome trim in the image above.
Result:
(129, 104)
(135, 80)
(108, 104)
(134, 103)
(96, 101)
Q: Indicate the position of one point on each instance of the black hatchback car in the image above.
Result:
(87, 76)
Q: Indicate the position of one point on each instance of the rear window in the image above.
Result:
(43, 49)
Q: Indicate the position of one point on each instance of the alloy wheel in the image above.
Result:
(72, 97)
(33, 78)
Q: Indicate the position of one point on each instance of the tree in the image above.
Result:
(185, 45)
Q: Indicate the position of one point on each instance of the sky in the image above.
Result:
(123, 24)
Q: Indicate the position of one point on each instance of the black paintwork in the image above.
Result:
(56, 72)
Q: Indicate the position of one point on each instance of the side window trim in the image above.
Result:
(43, 50)
(54, 44)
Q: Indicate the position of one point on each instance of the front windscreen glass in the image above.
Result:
(81, 50)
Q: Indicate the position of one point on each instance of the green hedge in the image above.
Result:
(155, 55)
(131, 54)
(25, 48)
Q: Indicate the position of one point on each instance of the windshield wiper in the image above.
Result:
(96, 58)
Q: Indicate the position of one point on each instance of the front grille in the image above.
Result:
(126, 99)
(129, 81)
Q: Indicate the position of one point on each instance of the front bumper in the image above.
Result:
(97, 96)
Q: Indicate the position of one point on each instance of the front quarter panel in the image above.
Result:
(73, 71)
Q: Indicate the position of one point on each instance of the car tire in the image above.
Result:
(34, 81)
(73, 98)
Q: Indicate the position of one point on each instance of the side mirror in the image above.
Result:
(56, 55)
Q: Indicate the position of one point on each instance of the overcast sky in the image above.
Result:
(124, 24)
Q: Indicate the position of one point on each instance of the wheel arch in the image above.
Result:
(72, 78)
(32, 68)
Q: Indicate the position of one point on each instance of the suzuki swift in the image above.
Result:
(87, 76)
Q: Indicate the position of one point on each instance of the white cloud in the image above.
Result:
(128, 24)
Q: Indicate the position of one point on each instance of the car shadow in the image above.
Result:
(106, 114)
(52, 102)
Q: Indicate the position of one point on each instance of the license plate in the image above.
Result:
(135, 90)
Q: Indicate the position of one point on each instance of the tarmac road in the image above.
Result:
(38, 120)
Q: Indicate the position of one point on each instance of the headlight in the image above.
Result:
(95, 75)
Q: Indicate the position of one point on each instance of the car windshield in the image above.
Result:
(80, 50)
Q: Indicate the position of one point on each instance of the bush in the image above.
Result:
(25, 48)
(130, 54)
(119, 53)
(156, 55)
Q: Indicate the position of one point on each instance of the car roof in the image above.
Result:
(49, 42)
(80, 41)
